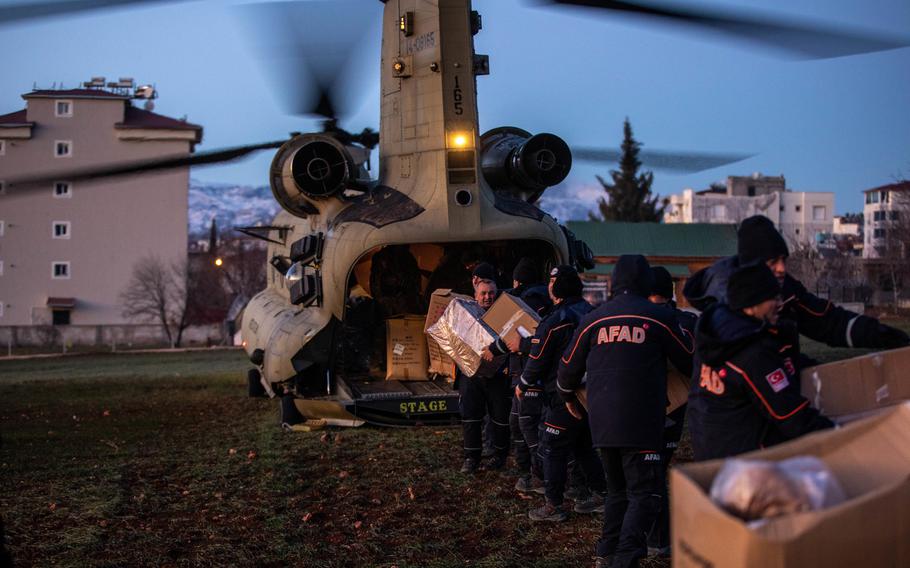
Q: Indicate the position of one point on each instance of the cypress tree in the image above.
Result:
(628, 197)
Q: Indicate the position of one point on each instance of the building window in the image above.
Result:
(797, 231)
(60, 270)
(895, 215)
(878, 234)
(60, 317)
(798, 208)
(61, 229)
(751, 191)
(2, 147)
(63, 148)
(718, 211)
(885, 197)
(63, 189)
(63, 108)
(819, 213)
(872, 197)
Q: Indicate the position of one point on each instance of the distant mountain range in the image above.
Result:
(231, 205)
(234, 205)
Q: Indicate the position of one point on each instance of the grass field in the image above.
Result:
(161, 459)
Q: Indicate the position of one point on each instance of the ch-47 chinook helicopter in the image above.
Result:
(348, 251)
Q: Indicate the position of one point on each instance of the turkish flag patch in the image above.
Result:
(778, 380)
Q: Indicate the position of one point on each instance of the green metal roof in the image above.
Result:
(657, 239)
(678, 270)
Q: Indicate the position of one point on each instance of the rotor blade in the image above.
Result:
(310, 50)
(683, 162)
(805, 41)
(141, 166)
(31, 11)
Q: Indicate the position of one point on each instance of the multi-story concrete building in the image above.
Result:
(67, 248)
(884, 214)
(800, 215)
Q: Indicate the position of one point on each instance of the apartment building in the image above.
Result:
(885, 212)
(801, 216)
(67, 248)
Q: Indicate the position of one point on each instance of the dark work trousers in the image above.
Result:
(481, 396)
(523, 422)
(635, 488)
(563, 435)
(659, 536)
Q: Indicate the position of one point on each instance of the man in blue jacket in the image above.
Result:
(758, 241)
(623, 346)
(562, 434)
(744, 395)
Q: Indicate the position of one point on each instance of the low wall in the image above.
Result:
(113, 336)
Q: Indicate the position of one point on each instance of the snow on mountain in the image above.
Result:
(231, 205)
(571, 202)
(235, 205)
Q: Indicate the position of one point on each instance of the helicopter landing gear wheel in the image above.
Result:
(254, 384)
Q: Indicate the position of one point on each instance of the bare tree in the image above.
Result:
(158, 292)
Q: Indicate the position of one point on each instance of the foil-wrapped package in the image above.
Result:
(463, 335)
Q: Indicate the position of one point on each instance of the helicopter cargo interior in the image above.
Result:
(389, 291)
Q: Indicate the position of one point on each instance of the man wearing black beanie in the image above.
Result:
(562, 435)
(623, 347)
(759, 242)
(743, 394)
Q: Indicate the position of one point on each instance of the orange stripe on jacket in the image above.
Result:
(542, 347)
(762, 398)
(595, 322)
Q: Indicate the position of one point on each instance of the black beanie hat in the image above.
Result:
(526, 272)
(750, 286)
(663, 282)
(758, 239)
(567, 284)
(631, 274)
(485, 271)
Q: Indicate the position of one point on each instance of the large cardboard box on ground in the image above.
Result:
(406, 349)
(859, 385)
(440, 363)
(510, 316)
(871, 460)
(462, 334)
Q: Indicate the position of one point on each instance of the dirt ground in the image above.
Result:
(161, 459)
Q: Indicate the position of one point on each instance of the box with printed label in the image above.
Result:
(857, 386)
(509, 316)
(870, 459)
(406, 349)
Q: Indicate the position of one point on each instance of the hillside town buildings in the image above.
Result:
(68, 248)
(801, 216)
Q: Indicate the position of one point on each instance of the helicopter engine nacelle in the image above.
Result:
(514, 161)
(309, 168)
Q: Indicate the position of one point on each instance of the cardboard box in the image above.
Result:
(510, 317)
(871, 460)
(406, 349)
(462, 335)
(858, 385)
(677, 390)
(440, 363)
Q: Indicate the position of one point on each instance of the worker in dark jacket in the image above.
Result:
(524, 417)
(483, 395)
(760, 242)
(744, 396)
(662, 294)
(623, 346)
(562, 435)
